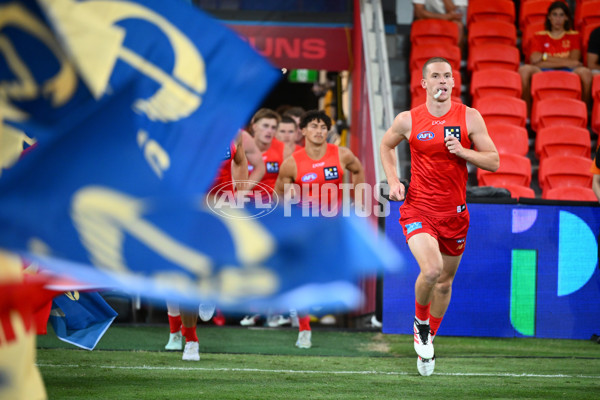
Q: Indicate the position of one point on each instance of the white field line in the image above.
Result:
(292, 371)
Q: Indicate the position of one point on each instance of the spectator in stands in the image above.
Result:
(450, 10)
(556, 48)
(593, 51)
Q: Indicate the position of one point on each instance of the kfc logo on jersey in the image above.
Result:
(425, 136)
(452, 131)
(273, 167)
(331, 173)
(311, 176)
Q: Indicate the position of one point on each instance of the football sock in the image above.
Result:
(189, 334)
(422, 313)
(434, 323)
(304, 323)
(174, 323)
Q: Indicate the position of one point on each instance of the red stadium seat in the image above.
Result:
(509, 138)
(494, 81)
(587, 13)
(557, 111)
(596, 117)
(420, 54)
(514, 170)
(562, 141)
(518, 191)
(548, 84)
(503, 110)
(493, 55)
(433, 31)
(572, 193)
(499, 32)
(564, 171)
(498, 10)
(533, 12)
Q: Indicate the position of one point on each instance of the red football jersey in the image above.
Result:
(544, 43)
(438, 178)
(272, 158)
(224, 173)
(315, 175)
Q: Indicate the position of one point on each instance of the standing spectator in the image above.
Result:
(593, 51)
(318, 164)
(450, 10)
(556, 48)
(434, 216)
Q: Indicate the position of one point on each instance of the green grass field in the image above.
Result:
(258, 363)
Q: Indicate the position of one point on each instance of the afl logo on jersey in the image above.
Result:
(311, 176)
(425, 136)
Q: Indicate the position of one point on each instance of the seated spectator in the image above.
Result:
(556, 48)
(593, 51)
(451, 10)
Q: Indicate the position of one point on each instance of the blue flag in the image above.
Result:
(132, 103)
(81, 318)
(141, 95)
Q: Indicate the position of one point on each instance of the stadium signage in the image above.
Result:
(296, 47)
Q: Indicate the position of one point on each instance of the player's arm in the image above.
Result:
(485, 155)
(239, 166)
(286, 176)
(350, 162)
(399, 131)
(254, 157)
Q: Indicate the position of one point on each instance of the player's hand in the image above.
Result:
(453, 145)
(397, 192)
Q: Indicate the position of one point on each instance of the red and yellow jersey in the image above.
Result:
(543, 43)
(320, 177)
(224, 177)
(438, 178)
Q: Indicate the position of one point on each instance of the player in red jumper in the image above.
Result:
(434, 216)
(318, 164)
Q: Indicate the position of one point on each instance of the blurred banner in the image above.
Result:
(131, 104)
